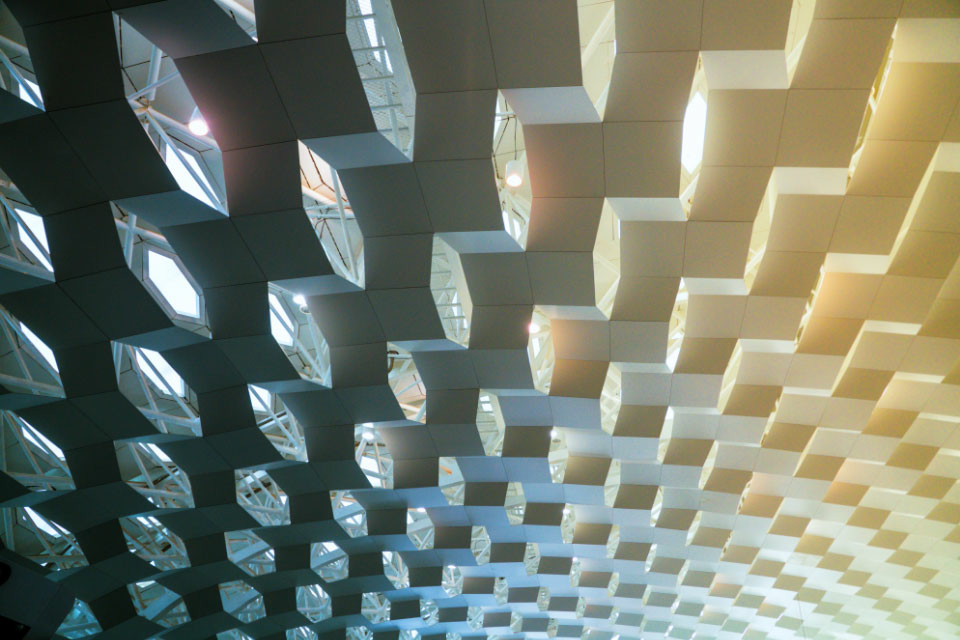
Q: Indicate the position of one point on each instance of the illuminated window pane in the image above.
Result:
(183, 177)
(39, 440)
(161, 374)
(34, 223)
(40, 346)
(259, 398)
(173, 285)
(25, 96)
(281, 325)
(157, 451)
(694, 129)
(42, 522)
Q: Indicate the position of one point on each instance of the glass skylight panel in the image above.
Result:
(156, 451)
(161, 374)
(34, 223)
(280, 322)
(694, 129)
(40, 346)
(173, 284)
(38, 439)
(42, 523)
(259, 398)
(183, 177)
(25, 95)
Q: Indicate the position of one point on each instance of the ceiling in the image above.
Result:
(284, 356)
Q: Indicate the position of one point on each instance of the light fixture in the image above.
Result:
(513, 175)
(533, 327)
(554, 433)
(299, 299)
(513, 172)
(694, 129)
(369, 436)
(197, 125)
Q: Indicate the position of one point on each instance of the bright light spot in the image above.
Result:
(259, 398)
(369, 436)
(299, 299)
(694, 128)
(173, 285)
(450, 566)
(554, 434)
(184, 179)
(34, 223)
(566, 511)
(25, 96)
(514, 173)
(198, 126)
(533, 327)
(420, 510)
(38, 439)
(156, 451)
(40, 346)
(149, 521)
(672, 358)
(372, 33)
(42, 523)
(280, 325)
(161, 373)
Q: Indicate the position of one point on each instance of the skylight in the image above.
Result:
(694, 128)
(164, 272)
(34, 223)
(184, 178)
(39, 440)
(161, 373)
(25, 95)
(40, 346)
(42, 523)
(259, 398)
(157, 451)
(280, 322)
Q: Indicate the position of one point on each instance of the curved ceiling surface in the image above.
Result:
(390, 319)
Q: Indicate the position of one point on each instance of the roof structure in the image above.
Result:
(455, 319)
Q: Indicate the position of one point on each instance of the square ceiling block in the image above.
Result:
(820, 127)
(716, 249)
(842, 54)
(642, 159)
(743, 127)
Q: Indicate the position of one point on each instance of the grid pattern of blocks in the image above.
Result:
(710, 402)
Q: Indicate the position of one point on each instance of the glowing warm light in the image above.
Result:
(198, 126)
(513, 175)
(694, 128)
(533, 327)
